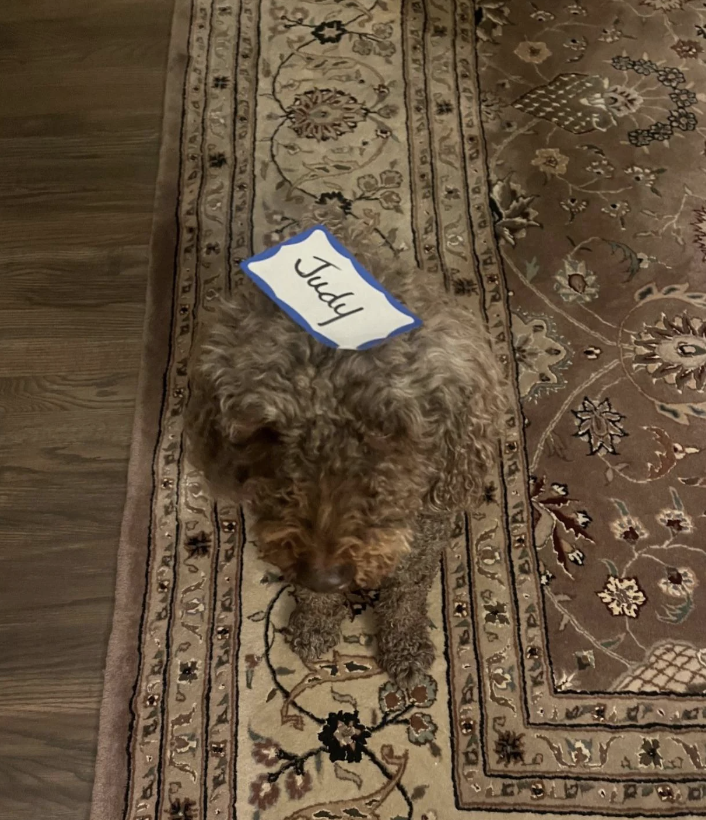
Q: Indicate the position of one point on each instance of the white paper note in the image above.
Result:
(324, 288)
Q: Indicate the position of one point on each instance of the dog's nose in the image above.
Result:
(336, 578)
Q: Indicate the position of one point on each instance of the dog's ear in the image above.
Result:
(462, 399)
(229, 445)
(466, 440)
(465, 447)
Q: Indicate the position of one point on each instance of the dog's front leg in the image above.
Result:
(405, 650)
(315, 623)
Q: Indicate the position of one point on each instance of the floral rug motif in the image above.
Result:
(547, 160)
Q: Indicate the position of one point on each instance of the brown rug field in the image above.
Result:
(547, 159)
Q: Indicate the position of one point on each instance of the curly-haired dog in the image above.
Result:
(349, 461)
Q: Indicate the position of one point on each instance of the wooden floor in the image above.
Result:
(80, 109)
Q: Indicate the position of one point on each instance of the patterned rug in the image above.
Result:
(547, 160)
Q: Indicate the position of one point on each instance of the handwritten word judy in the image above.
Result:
(314, 281)
(318, 283)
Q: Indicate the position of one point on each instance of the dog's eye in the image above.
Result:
(268, 435)
(250, 431)
(260, 437)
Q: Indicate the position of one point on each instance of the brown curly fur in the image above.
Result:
(343, 456)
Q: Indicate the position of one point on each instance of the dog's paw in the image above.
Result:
(406, 657)
(312, 637)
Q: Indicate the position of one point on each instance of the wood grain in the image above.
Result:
(80, 106)
(63, 391)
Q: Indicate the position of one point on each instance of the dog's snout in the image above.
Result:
(335, 578)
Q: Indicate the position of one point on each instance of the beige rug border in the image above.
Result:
(110, 777)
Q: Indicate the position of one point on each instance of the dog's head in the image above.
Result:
(331, 507)
(336, 452)
(332, 501)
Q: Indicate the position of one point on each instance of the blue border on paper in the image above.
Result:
(365, 274)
